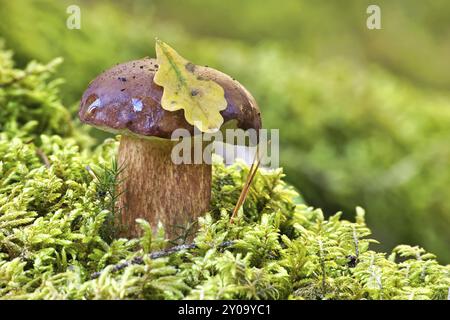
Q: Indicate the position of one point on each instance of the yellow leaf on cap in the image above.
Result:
(201, 100)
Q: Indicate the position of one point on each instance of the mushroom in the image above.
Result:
(124, 100)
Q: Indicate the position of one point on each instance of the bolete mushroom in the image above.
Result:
(125, 100)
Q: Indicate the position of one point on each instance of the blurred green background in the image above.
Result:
(364, 115)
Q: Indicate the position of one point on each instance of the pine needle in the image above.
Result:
(251, 175)
(43, 157)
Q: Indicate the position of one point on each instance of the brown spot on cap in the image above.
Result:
(137, 109)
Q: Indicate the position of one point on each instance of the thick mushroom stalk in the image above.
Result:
(159, 190)
(125, 100)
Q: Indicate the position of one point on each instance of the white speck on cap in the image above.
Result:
(137, 104)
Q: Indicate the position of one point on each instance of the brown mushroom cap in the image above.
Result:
(125, 100)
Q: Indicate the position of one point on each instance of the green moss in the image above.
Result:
(56, 232)
(51, 241)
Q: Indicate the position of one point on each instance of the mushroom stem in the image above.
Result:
(155, 189)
